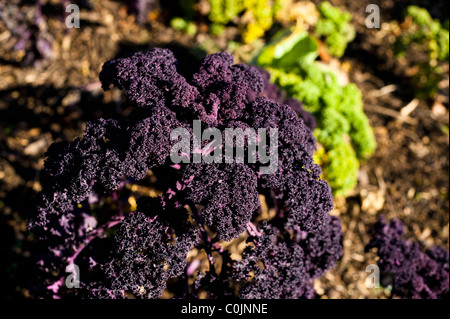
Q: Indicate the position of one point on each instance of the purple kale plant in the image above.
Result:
(83, 217)
(273, 92)
(411, 272)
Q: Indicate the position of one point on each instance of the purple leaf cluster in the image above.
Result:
(145, 255)
(228, 194)
(285, 267)
(411, 272)
(200, 204)
(273, 92)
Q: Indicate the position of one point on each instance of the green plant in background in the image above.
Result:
(423, 36)
(343, 130)
(256, 16)
(222, 12)
(183, 25)
(260, 14)
(334, 25)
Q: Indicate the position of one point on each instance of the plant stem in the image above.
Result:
(206, 240)
(70, 261)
